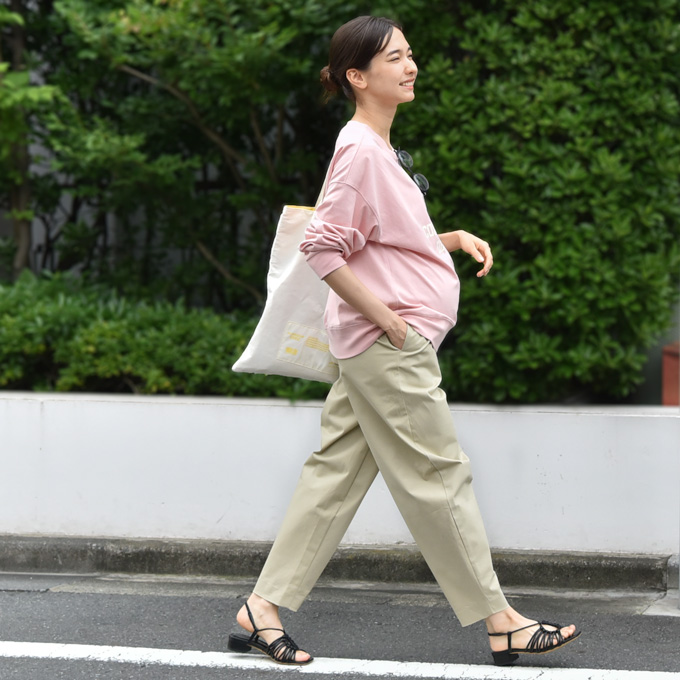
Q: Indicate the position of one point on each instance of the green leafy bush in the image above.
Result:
(58, 334)
(552, 130)
(549, 127)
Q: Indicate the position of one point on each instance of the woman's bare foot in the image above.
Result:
(266, 615)
(509, 620)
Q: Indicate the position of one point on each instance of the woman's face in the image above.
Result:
(391, 76)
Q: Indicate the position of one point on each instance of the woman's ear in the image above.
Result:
(356, 79)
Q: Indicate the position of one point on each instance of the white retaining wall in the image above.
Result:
(547, 478)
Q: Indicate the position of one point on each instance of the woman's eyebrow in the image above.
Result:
(397, 51)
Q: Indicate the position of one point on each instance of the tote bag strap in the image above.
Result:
(323, 188)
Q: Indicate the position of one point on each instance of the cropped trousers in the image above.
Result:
(387, 413)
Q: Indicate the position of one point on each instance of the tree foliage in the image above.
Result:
(172, 131)
(188, 125)
(20, 101)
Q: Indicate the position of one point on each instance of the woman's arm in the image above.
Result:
(344, 282)
(472, 245)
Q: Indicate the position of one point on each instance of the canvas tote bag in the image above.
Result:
(290, 338)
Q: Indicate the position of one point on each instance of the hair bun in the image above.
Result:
(328, 81)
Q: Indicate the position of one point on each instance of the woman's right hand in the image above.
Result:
(396, 334)
(344, 282)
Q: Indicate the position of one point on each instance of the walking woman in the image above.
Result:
(393, 298)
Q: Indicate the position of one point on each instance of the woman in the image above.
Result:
(393, 298)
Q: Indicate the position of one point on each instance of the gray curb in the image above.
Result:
(404, 564)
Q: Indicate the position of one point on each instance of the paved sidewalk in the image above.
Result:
(388, 563)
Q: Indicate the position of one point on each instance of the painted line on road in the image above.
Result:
(320, 666)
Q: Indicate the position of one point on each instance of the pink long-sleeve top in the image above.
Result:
(373, 218)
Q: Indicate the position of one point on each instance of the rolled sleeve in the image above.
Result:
(340, 226)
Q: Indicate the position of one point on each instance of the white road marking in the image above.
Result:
(321, 666)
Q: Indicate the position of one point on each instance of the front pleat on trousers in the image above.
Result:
(387, 413)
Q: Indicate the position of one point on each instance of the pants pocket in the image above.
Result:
(385, 341)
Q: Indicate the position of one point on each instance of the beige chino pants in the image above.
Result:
(386, 413)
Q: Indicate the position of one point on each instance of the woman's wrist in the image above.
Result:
(451, 240)
(390, 322)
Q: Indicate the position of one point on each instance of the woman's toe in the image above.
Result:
(568, 631)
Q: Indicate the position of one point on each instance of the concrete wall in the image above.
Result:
(591, 479)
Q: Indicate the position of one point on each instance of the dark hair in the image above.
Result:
(353, 45)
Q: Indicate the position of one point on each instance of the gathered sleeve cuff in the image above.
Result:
(341, 226)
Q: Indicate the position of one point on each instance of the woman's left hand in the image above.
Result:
(478, 248)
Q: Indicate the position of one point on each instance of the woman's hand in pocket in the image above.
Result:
(396, 333)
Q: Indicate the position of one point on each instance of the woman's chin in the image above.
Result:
(408, 97)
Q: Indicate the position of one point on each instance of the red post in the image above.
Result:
(671, 374)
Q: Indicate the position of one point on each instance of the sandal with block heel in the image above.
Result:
(282, 650)
(541, 642)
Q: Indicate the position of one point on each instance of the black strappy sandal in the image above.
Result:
(282, 650)
(542, 642)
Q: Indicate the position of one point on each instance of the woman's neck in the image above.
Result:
(380, 121)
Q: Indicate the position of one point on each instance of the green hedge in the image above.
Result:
(552, 129)
(549, 127)
(58, 334)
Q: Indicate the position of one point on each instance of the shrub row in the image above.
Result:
(59, 334)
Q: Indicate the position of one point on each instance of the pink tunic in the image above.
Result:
(373, 218)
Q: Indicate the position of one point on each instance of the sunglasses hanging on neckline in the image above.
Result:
(406, 162)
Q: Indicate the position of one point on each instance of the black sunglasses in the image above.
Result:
(406, 162)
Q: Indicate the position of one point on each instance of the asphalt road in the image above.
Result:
(407, 623)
